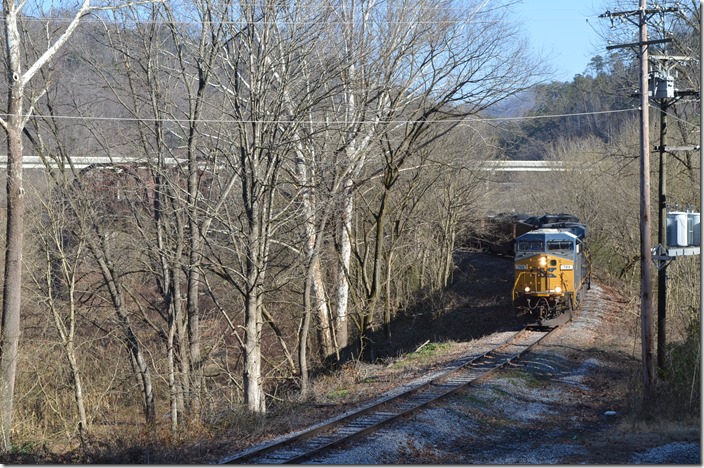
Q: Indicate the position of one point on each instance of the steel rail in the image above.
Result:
(382, 412)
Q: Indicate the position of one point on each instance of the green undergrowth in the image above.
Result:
(424, 355)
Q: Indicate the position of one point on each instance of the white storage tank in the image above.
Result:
(677, 229)
(693, 229)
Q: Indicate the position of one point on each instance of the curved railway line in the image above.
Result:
(305, 445)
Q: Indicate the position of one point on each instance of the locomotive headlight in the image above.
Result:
(558, 290)
(543, 261)
(527, 289)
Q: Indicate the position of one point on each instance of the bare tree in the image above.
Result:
(267, 85)
(400, 78)
(90, 214)
(58, 279)
(18, 77)
(165, 74)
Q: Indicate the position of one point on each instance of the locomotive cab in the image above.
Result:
(550, 268)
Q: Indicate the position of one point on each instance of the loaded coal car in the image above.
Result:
(552, 270)
(500, 231)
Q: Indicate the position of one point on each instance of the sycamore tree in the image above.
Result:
(22, 62)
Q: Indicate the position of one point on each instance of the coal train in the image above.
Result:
(552, 266)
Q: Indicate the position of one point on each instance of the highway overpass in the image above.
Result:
(81, 162)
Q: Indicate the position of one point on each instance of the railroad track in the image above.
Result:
(307, 444)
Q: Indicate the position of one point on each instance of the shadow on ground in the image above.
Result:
(478, 303)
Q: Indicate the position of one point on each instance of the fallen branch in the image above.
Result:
(421, 346)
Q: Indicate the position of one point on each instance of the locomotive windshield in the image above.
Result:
(530, 246)
(559, 245)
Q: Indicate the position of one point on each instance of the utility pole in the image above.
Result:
(701, 149)
(664, 91)
(662, 235)
(646, 284)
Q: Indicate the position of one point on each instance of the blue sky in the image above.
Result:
(566, 31)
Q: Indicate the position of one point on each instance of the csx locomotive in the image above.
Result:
(552, 270)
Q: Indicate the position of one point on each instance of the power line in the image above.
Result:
(309, 22)
(134, 21)
(320, 122)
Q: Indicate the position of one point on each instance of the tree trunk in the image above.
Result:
(253, 387)
(256, 208)
(13, 265)
(322, 311)
(133, 345)
(388, 312)
(303, 336)
(67, 332)
(374, 289)
(193, 378)
(315, 277)
(191, 357)
(78, 393)
(173, 385)
(343, 285)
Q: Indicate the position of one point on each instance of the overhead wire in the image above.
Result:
(469, 20)
(327, 122)
(401, 121)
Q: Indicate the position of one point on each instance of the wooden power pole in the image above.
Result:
(663, 90)
(646, 284)
(662, 236)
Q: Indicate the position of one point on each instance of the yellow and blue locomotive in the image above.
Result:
(552, 270)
